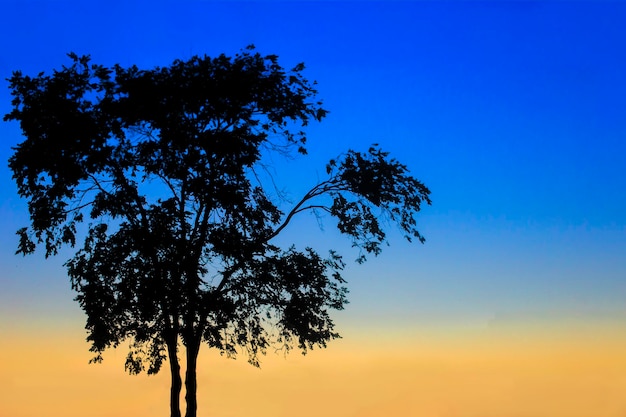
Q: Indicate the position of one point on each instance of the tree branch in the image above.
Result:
(325, 187)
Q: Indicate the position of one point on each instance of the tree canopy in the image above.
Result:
(157, 177)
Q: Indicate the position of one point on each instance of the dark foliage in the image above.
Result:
(160, 166)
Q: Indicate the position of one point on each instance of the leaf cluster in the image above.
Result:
(158, 166)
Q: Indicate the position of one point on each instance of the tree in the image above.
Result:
(160, 174)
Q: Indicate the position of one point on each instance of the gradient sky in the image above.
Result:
(512, 112)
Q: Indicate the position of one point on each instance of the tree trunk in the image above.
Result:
(190, 377)
(177, 382)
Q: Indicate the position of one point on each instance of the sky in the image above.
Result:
(513, 113)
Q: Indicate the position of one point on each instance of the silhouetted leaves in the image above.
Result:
(177, 246)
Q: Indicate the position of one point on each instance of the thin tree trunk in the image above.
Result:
(177, 382)
(191, 384)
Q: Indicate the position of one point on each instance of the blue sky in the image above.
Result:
(512, 112)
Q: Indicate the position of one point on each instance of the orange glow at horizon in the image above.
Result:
(482, 373)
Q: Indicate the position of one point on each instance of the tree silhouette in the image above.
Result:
(163, 168)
